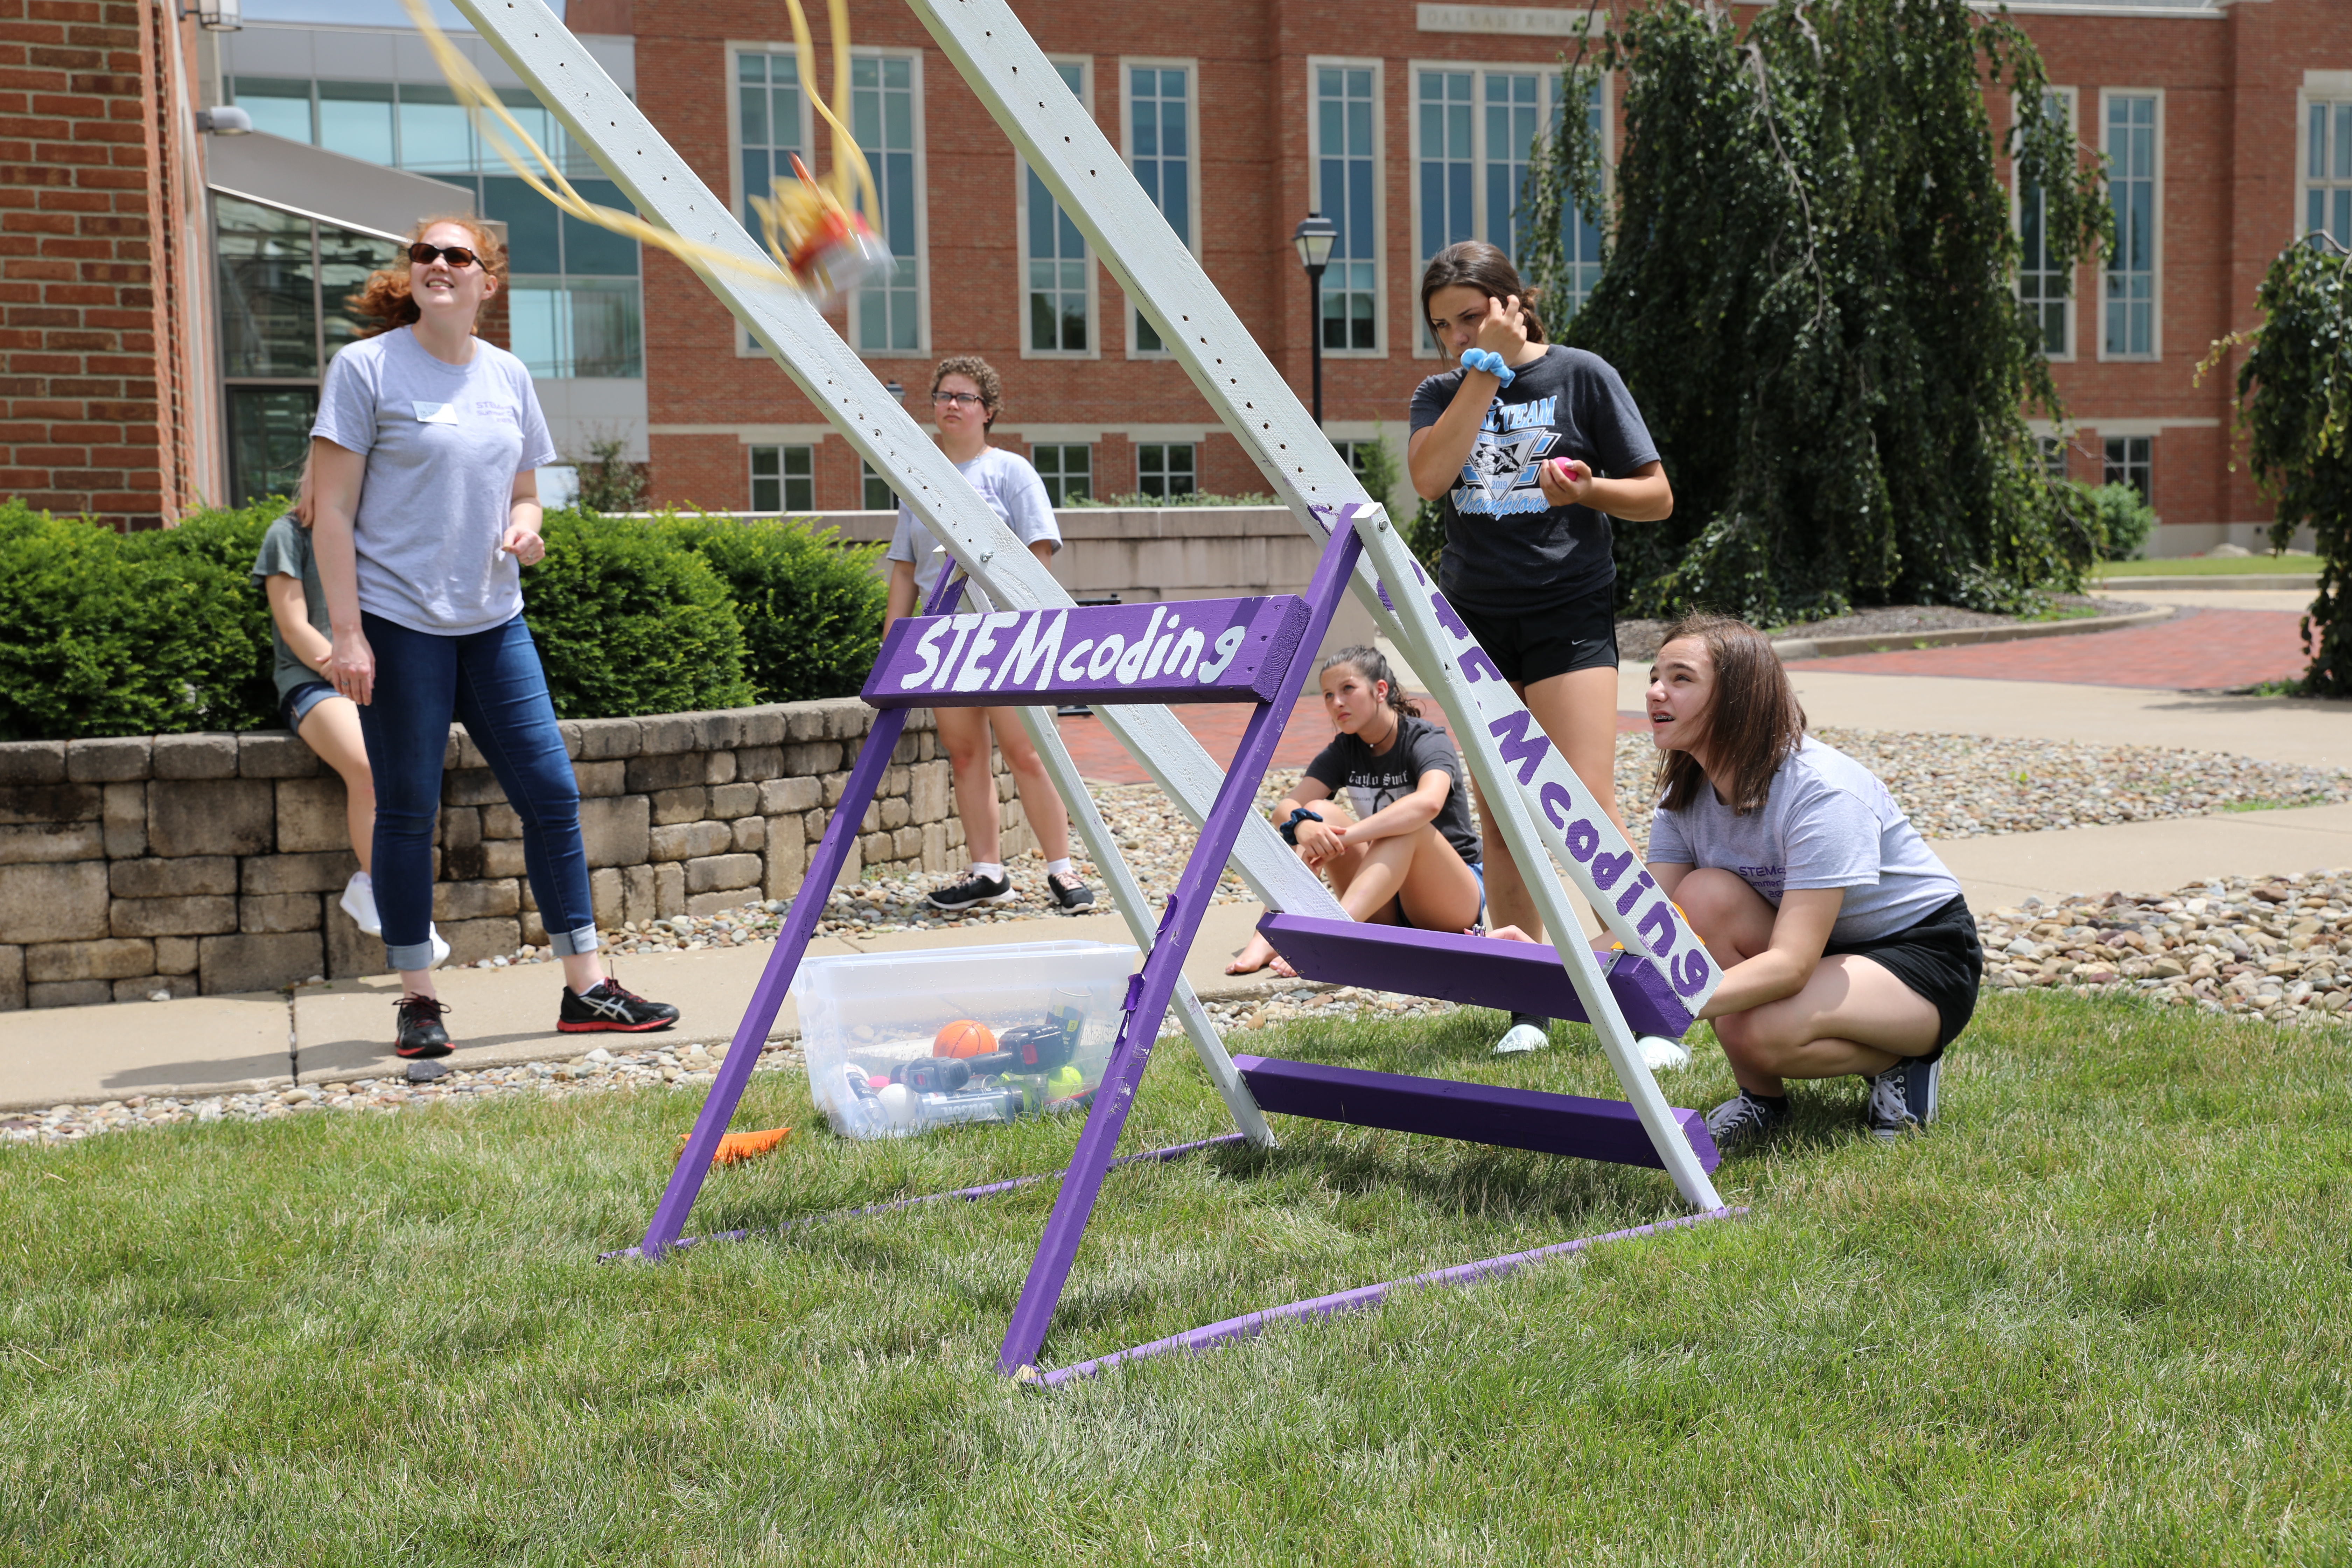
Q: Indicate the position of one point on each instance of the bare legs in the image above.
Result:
(965, 732)
(1579, 712)
(331, 728)
(1852, 1018)
(1417, 874)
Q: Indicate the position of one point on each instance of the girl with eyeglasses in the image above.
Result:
(966, 395)
(426, 495)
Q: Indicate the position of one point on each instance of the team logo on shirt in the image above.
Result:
(1501, 476)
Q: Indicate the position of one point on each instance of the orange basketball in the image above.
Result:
(963, 1037)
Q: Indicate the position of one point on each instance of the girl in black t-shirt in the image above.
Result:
(1530, 449)
(1406, 854)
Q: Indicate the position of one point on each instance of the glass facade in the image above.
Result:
(1159, 144)
(1344, 160)
(1059, 313)
(882, 117)
(2131, 189)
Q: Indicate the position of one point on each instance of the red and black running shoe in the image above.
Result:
(606, 1007)
(420, 1036)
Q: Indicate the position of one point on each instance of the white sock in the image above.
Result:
(1059, 868)
(992, 869)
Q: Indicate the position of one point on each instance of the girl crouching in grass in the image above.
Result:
(1407, 855)
(1845, 944)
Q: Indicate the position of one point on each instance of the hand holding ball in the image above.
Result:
(963, 1037)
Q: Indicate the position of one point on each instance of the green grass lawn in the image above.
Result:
(2291, 563)
(2098, 1315)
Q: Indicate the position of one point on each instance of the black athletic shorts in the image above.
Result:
(1939, 957)
(1528, 646)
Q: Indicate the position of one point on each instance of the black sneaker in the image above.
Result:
(1902, 1098)
(1068, 891)
(1742, 1119)
(604, 1007)
(974, 890)
(419, 1037)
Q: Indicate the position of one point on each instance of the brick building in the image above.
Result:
(107, 389)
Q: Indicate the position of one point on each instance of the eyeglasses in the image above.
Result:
(961, 399)
(421, 253)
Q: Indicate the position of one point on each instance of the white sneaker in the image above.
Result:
(1522, 1037)
(440, 948)
(1662, 1055)
(359, 902)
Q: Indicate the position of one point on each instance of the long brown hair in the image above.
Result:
(1372, 668)
(1474, 264)
(1753, 721)
(385, 297)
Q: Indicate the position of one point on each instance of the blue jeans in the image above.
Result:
(491, 682)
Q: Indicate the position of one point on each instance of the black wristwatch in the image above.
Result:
(1289, 830)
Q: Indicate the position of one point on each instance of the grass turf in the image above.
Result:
(2292, 562)
(2098, 1315)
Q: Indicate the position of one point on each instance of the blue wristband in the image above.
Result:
(1489, 362)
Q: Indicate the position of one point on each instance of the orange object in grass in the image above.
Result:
(963, 1037)
(737, 1147)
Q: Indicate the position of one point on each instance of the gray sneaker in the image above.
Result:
(1902, 1098)
(1741, 1121)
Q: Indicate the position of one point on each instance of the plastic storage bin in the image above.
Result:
(884, 1060)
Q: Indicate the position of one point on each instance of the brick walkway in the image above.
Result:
(1218, 727)
(2196, 650)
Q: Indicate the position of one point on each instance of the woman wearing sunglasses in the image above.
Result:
(426, 503)
(966, 395)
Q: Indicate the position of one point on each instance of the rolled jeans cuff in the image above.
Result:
(567, 942)
(414, 956)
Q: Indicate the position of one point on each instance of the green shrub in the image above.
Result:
(811, 606)
(2121, 516)
(629, 620)
(113, 636)
(227, 539)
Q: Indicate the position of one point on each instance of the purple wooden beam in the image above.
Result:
(1149, 989)
(1569, 1124)
(1474, 971)
(1190, 650)
(1362, 1298)
(969, 1195)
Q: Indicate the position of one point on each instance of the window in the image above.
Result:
(1474, 132)
(355, 120)
(1159, 150)
(783, 478)
(1060, 281)
(883, 113)
(281, 107)
(1581, 242)
(1068, 472)
(877, 495)
(2327, 194)
(1165, 471)
(2131, 460)
(1345, 149)
(2053, 451)
(2131, 188)
(769, 124)
(2046, 287)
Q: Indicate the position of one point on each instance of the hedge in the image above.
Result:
(161, 631)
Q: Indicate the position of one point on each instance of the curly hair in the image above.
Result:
(983, 376)
(385, 296)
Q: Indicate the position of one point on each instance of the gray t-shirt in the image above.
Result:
(286, 553)
(1507, 548)
(1827, 822)
(1376, 781)
(1012, 490)
(442, 443)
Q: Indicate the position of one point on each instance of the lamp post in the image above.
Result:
(1314, 237)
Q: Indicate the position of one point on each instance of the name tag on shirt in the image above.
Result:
(437, 413)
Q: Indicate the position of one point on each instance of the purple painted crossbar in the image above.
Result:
(1362, 1298)
(1193, 650)
(1476, 970)
(969, 1195)
(1568, 1124)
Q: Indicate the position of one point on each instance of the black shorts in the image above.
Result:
(1528, 646)
(1939, 957)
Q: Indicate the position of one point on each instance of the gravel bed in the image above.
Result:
(2266, 947)
(1639, 639)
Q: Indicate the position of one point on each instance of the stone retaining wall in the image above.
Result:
(214, 862)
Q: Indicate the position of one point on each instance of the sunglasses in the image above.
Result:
(421, 254)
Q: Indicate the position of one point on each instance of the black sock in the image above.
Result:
(1777, 1102)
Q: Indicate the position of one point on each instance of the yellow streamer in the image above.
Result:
(792, 215)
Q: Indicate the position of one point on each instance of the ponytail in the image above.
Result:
(1371, 666)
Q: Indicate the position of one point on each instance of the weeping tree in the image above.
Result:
(2294, 406)
(1810, 287)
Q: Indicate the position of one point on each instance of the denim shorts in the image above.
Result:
(296, 705)
(1476, 870)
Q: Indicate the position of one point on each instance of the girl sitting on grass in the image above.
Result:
(1407, 855)
(1845, 944)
